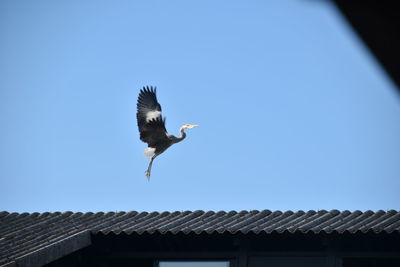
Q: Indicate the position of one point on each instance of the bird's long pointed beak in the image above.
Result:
(195, 125)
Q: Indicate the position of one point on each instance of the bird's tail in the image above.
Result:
(149, 152)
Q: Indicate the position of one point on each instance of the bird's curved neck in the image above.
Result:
(182, 136)
(175, 139)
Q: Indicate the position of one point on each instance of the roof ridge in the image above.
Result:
(5, 213)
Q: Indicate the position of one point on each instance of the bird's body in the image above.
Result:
(152, 126)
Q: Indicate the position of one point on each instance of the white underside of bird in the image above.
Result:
(149, 152)
(152, 115)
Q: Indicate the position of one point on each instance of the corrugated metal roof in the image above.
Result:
(23, 233)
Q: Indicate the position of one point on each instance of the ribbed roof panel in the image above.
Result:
(23, 233)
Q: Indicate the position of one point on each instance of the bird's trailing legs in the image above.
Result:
(148, 171)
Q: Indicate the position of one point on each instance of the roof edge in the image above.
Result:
(55, 251)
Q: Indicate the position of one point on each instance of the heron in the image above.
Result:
(151, 126)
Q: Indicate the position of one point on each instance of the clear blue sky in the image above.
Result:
(295, 113)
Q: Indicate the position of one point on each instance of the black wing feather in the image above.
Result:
(147, 102)
(152, 132)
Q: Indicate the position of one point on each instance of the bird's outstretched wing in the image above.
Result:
(150, 121)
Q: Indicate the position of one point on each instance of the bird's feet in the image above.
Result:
(147, 172)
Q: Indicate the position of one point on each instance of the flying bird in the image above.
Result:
(152, 126)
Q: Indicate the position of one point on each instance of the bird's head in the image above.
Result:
(188, 126)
